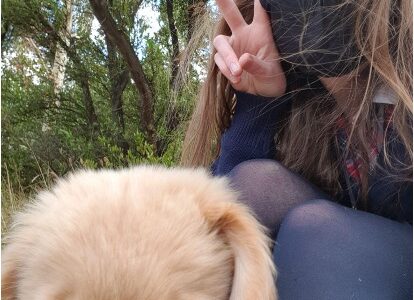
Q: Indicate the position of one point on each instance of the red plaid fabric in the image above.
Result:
(353, 161)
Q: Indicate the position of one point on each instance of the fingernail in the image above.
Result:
(234, 68)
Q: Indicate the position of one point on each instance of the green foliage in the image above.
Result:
(46, 135)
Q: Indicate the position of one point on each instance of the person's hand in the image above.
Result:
(249, 58)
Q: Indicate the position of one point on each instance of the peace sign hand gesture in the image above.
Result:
(249, 58)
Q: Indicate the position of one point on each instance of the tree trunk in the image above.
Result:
(61, 58)
(174, 40)
(119, 80)
(118, 38)
(82, 74)
(6, 34)
(91, 116)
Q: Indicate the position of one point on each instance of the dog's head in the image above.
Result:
(143, 233)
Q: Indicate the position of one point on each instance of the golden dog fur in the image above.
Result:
(145, 233)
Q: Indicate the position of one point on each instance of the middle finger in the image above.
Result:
(231, 14)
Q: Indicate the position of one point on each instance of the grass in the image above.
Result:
(12, 201)
(14, 196)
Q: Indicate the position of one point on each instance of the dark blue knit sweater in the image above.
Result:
(251, 136)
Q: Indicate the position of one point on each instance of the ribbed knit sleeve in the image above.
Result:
(251, 133)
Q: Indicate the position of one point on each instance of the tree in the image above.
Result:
(174, 40)
(119, 38)
(115, 90)
(59, 64)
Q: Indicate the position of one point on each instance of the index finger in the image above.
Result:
(231, 14)
(260, 14)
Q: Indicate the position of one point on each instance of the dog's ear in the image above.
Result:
(9, 275)
(254, 271)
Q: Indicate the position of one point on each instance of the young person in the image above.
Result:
(307, 107)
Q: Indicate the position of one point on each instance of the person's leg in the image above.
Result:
(327, 251)
(270, 190)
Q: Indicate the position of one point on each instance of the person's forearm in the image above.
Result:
(251, 133)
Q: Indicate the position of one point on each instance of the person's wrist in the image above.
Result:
(263, 94)
(249, 96)
(274, 89)
(259, 112)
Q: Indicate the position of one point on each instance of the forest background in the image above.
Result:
(93, 84)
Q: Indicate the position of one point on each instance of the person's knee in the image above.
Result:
(313, 214)
(261, 188)
(270, 190)
(257, 180)
(330, 216)
(257, 168)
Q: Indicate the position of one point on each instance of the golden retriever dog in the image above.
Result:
(146, 233)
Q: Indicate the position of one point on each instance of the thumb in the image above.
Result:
(254, 65)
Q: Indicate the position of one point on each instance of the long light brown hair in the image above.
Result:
(307, 140)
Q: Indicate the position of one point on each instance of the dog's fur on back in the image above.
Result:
(145, 233)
